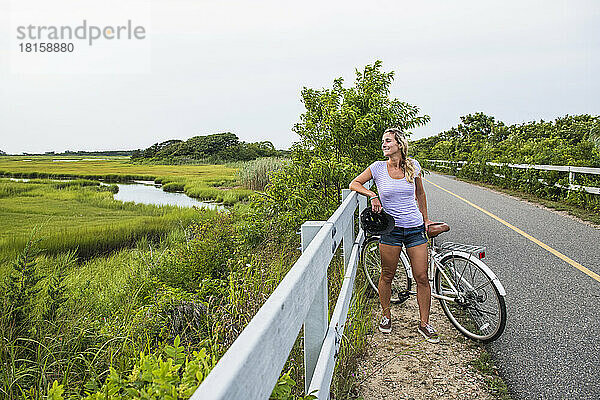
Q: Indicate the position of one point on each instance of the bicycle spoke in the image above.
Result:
(473, 275)
(482, 286)
(485, 322)
(483, 311)
(460, 279)
(480, 310)
(479, 316)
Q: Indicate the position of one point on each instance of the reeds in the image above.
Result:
(254, 174)
(173, 187)
(9, 189)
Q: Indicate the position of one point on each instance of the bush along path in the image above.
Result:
(402, 365)
(480, 139)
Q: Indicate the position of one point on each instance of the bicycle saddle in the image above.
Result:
(436, 228)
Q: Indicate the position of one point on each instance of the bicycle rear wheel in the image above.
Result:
(371, 260)
(475, 306)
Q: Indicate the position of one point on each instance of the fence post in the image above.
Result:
(348, 234)
(571, 178)
(317, 319)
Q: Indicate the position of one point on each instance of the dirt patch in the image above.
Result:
(402, 365)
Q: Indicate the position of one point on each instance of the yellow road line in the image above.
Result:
(557, 253)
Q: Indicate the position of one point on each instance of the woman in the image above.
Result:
(401, 194)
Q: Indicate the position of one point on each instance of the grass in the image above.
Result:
(484, 364)
(128, 298)
(92, 329)
(254, 174)
(83, 218)
(205, 182)
(81, 215)
(115, 307)
(121, 304)
(110, 167)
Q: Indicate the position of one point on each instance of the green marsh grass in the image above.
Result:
(173, 187)
(78, 216)
(119, 305)
(205, 182)
(9, 189)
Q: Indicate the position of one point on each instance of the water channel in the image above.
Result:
(147, 192)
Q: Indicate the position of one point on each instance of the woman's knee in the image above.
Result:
(421, 278)
(387, 275)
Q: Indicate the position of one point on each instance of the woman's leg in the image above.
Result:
(389, 263)
(418, 262)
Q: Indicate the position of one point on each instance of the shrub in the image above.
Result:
(153, 377)
(207, 255)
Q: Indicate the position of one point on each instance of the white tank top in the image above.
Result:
(397, 196)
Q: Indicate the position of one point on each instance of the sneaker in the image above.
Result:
(429, 333)
(385, 325)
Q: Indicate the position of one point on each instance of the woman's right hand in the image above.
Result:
(376, 205)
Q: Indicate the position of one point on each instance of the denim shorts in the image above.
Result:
(408, 237)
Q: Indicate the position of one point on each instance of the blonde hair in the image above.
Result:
(407, 163)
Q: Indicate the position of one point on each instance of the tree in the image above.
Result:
(595, 133)
(349, 122)
(218, 147)
(340, 134)
(569, 140)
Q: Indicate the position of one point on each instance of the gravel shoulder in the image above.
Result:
(402, 365)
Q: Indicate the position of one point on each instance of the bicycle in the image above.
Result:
(469, 292)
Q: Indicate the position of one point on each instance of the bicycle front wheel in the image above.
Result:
(371, 260)
(471, 300)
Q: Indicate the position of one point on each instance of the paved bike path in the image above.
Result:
(551, 346)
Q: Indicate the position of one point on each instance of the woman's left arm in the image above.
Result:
(421, 200)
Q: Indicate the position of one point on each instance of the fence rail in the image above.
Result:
(572, 170)
(253, 363)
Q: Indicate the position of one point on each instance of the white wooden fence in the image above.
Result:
(563, 168)
(252, 365)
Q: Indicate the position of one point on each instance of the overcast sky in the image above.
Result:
(214, 66)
